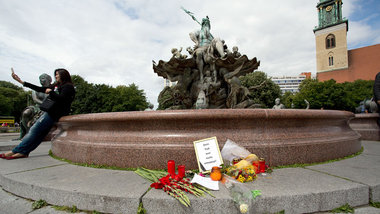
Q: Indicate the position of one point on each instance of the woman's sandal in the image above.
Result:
(12, 158)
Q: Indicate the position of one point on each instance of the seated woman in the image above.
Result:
(62, 92)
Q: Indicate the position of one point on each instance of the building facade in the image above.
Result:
(334, 61)
(290, 83)
(169, 83)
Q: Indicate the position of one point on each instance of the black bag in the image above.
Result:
(47, 104)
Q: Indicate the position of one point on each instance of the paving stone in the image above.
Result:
(364, 169)
(294, 190)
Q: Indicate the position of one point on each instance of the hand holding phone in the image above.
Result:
(15, 77)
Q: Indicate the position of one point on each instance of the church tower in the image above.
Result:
(331, 37)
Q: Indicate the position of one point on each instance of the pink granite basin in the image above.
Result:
(366, 126)
(150, 138)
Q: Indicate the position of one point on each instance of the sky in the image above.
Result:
(113, 42)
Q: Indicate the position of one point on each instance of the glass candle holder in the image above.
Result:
(262, 166)
(171, 168)
(181, 171)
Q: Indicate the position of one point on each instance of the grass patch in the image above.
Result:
(91, 165)
(74, 209)
(374, 204)
(324, 162)
(141, 209)
(39, 204)
(343, 209)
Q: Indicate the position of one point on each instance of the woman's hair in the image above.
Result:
(64, 76)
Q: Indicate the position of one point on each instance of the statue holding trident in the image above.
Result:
(209, 78)
(207, 48)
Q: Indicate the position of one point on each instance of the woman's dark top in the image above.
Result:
(63, 98)
(376, 87)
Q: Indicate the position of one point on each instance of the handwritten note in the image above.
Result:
(208, 153)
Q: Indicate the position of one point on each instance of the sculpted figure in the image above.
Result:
(201, 101)
(206, 46)
(31, 113)
(150, 107)
(39, 97)
(235, 52)
(370, 106)
(307, 104)
(190, 51)
(237, 94)
(177, 53)
(278, 105)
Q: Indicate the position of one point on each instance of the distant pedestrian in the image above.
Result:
(376, 94)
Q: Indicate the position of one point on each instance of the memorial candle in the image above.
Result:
(171, 168)
(181, 171)
(262, 165)
(256, 166)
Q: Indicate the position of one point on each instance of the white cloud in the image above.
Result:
(359, 32)
(114, 41)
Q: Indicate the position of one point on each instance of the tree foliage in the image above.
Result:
(95, 98)
(164, 100)
(330, 95)
(266, 90)
(13, 99)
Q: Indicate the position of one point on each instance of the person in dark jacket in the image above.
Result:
(376, 94)
(62, 92)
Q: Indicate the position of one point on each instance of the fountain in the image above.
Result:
(208, 100)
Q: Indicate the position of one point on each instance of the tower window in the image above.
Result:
(330, 41)
(331, 60)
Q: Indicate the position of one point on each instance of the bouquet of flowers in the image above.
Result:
(175, 187)
(245, 174)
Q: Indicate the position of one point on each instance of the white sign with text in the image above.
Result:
(208, 154)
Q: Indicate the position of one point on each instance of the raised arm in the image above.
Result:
(17, 78)
(26, 84)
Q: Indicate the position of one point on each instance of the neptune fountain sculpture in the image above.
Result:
(209, 77)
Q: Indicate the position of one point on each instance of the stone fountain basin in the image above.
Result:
(151, 138)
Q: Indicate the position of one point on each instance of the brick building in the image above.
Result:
(334, 61)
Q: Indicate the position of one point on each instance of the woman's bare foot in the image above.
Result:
(18, 155)
(8, 154)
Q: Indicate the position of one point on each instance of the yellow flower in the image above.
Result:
(241, 178)
(249, 178)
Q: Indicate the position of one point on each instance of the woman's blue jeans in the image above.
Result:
(36, 134)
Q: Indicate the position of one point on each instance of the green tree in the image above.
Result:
(6, 105)
(327, 95)
(287, 99)
(95, 98)
(332, 95)
(358, 91)
(129, 98)
(266, 90)
(13, 99)
(164, 98)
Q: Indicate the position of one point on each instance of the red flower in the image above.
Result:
(157, 185)
(165, 180)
